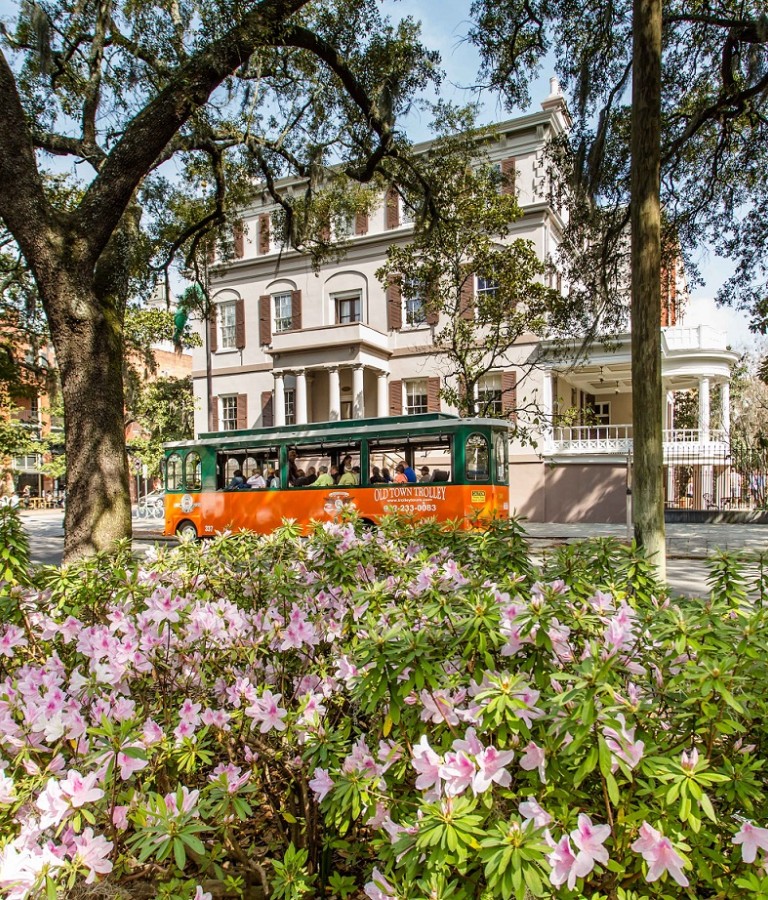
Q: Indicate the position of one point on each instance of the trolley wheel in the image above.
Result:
(187, 530)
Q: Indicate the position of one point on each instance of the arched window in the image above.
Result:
(233, 464)
(476, 458)
(192, 472)
(173, 473)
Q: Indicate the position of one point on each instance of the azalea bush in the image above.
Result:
(412, 712)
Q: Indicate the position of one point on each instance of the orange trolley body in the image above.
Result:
(470, 476)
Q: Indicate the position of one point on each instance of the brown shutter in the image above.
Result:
(509, 393)
(325, 231)
(432, 305)
(214, 401)
(213, 333)
(392, 210)
(263, 233)
(242, 411)
(239, 238)
(265, 320)
(508, 176)
(467, 297)
(296, 310)
(361, 223)
(394, 305)
(433, 394)
(395, 398)
(267, 414)
(240, 323)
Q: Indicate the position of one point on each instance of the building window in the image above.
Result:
(229, 413)
(227, 315)
(416, 398)
(600, 413)
(486, 287)
(489, 395)
(290, 406)
(414, 306)
(347, 307)
(283, 312)
(345, 227)
(407, 213)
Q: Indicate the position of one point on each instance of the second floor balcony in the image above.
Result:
(616, 440)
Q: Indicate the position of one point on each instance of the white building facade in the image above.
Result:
(290, 345)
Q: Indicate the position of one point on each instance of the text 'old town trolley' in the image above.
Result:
(428, 466)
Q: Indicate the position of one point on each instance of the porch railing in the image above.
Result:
(613, 439)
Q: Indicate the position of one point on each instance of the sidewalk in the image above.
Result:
(683, 541)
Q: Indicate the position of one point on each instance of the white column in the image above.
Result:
(334, 395)
(725, 402)
(301, 397)
(382, 395)
(704, 409)
(358, 400)
(547, 408)
(279, 411)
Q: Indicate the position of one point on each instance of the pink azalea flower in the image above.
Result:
(130, 764)
(471, 743)
(427, 763)
(378, 888)
(563, 864)
(589, 840)
(52, 804)
(120, 817)
(321, 783)
(92, 851)
(689, 761)
(751, 838)
(623, 745)
(457, 771)
(490, 768)
(12, 637)
(200, 894)
(266, 711)
(531, 810)
(535, 758)
(660, 855)
(80, 789)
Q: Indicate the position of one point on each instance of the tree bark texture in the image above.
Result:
(648, 481)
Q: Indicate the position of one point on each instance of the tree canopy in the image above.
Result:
(134, 94)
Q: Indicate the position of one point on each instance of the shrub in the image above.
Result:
(394, 714)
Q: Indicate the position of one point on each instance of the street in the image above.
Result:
(687, 546)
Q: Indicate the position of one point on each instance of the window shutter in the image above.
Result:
(361, 223)
(394, 305)
(242, 411)
(432, 306)
(296, 310)
(433, 395)
(265, 320)
(239, 238)
(263, 233)
(213, 333)
(240, 323)
(392, 211)
(267, 413)
(509, 393)
(214, 401)
(395, 398)
(467, 297)
(325, 231)
(508, 176)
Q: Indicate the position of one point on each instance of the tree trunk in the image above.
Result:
(648, 490)
(88, 341)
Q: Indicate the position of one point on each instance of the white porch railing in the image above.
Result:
(617, 439)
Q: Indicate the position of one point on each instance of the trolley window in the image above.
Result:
(501, 446)
(476, 458)
(193, 472)
(173, 473)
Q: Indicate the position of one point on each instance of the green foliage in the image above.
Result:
(249, 663)
(14, 552)
(164, 409)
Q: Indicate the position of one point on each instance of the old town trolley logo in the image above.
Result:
(411, 497)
